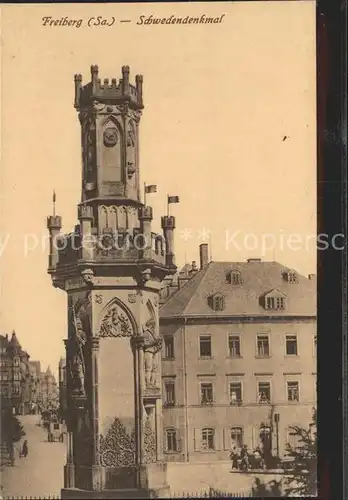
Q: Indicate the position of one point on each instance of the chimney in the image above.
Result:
(311, 276)
(203, 255)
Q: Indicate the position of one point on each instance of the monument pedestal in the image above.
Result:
(145, 481)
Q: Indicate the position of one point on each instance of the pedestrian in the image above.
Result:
(234, 458)
(244, 455)
(257, 458)
(25, 449)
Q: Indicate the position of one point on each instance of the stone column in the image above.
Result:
(159, 430)
(96, 470)
(137, 345)
(69, 469)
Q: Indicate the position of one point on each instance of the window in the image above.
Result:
(169, 398)
(208, 439)
(56, 427)
(235, 393)
(237, 437)
(171, 441)
(264, 392)
(291, 345)
(263, 346)
(169, 347)
(234, 278)
(234, 346)
(290, 277)
(275, 303)
(293, 391)
(206, 393)
(217, 302)
(205, 346)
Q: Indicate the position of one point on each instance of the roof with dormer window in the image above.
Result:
(258, 278)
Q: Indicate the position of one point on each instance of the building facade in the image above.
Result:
(63, 383)
(239, 359)
(48, 398)
(18, 386)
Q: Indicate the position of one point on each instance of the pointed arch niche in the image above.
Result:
(116, 326)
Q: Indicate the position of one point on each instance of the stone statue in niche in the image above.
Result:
(79, 322)
(131, 152)
(115, 323)
(130, 139)
(90, 147)
(110, 137)
(152, 345)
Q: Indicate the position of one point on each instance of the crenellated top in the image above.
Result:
(109, 92)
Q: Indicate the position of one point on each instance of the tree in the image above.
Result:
(301, 480)
(270, 489)
(11, 429)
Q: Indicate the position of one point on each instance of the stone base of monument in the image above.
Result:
(146, 481)
(74, 494)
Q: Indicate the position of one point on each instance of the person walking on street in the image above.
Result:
(25, 449)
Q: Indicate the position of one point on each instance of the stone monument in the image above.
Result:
(111, 267)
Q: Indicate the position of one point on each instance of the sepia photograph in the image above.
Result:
(158, 244)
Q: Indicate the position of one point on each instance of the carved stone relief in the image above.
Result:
(117, 448)
(110, 136)
(149, 443)
(99, 298)
(135, 115)
(132, 298)
(115, 323)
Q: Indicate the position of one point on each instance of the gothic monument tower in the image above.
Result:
(111, 267)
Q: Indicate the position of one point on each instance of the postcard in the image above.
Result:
(158, 250)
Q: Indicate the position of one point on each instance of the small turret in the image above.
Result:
(54, 225)
(85, 216)
(14, 341)
(168, 226)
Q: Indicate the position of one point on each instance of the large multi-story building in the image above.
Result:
(239, 358)
(17, 385)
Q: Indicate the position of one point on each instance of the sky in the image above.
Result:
(229, 126)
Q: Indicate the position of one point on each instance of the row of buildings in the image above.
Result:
(23, 386)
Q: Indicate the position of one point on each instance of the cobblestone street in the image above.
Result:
(41, 473)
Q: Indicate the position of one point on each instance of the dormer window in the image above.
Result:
(217, 302)
(290, 277)
(234, 277)
(274, 301)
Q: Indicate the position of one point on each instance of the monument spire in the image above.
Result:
(111, 267)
